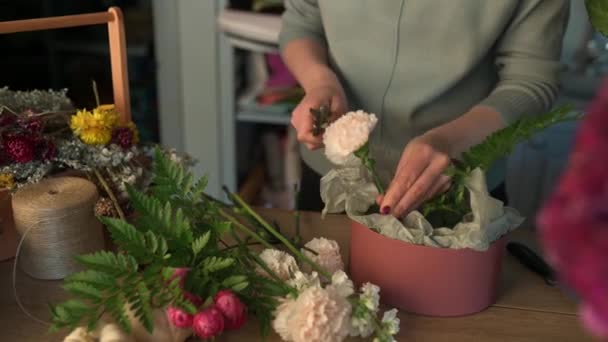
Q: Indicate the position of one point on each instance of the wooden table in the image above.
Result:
(527, 308)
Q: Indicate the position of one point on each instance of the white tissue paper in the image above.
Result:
(350, 189)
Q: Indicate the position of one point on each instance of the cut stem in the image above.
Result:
(239, 201)
(244, 229)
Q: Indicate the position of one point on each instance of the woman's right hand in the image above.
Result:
(329, 93)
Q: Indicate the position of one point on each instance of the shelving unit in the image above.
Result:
(255, 33)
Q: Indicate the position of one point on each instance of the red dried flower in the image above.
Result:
(45, 149)
(33, 126)
(7, 119)
(123, 137)
(19, 148)
(574, 222)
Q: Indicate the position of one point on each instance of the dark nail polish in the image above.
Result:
(385, 210)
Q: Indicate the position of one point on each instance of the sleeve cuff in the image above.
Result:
(512, 104)
(288, 34)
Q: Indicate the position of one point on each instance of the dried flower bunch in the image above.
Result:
(41, 135)
(193, 259)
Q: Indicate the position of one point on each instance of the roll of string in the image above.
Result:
(56, 222)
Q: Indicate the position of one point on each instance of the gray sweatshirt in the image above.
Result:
(418, 64)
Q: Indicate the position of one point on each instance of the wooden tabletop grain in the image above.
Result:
(527, 309)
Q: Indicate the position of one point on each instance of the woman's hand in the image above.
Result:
(302, 120)
(419, 175)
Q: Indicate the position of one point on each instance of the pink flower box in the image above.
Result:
(426, 280)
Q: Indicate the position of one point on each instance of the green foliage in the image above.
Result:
(114, 284)
(175, 225)
(598, 14)
(449, 208)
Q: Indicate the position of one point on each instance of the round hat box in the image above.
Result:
(426, 280)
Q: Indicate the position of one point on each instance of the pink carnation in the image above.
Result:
(179, 317)
(233, 309)
(208, 323)
(574, 222)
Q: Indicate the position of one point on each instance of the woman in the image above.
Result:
(440, 75)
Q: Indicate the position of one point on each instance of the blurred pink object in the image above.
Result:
(279, 75)
(574, 221)
(426, 280)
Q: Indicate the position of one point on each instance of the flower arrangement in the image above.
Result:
(574, 221)
(447, 220)
(197, 262)
(41, 135)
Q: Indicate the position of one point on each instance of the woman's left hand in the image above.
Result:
(419, 175)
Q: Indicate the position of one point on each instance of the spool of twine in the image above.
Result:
(57, 222)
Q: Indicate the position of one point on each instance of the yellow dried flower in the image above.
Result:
(7, 181)
(131, 125)
(95, 128)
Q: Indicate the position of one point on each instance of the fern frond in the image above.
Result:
(161, 218)
(108, 262)
(214, 264)
(94, 278)
(200, 243)
(116, 306)
(84, 290)
(502, 142)
(142, 246)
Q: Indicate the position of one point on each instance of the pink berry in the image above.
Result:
(232, 308)
(179, 317)
(208, 323)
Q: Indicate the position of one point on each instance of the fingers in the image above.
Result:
(416, 185)
(441, 185)
(417, 192)
(301, 120)
(405, 177)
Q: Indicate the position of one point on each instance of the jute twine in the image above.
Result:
(56, 221)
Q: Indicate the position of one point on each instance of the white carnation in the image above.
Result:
(328, 254)
(301, 281)
(317, 315)
(281, 263)
(370, 296)
(342, 284)
(347, 134)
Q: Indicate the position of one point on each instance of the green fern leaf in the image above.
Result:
(93, 278)
(199, 187)
(199, 244)
(502, 142)
(234, 280)
(598, 14)
(214, 264)
(144, 311)
(116, 306)
(240, 286)
(108, 262)
(84, 290)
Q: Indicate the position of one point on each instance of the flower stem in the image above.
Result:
(244, 229)
(369, 163)
(96, 93)
(298, 238)
(239, 201)
(110, 193)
